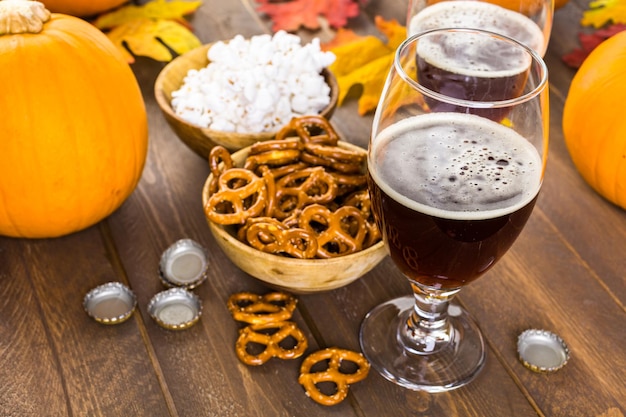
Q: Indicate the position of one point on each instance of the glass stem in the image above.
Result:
(427, 328)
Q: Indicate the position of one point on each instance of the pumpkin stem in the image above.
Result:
(22, 16)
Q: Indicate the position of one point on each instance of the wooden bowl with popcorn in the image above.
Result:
(235, 102)
(278, 268)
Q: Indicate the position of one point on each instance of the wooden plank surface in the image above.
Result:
(566, 273)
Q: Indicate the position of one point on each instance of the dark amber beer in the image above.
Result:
(457, 65)
(451, 193)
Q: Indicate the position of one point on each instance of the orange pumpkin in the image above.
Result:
(594, 122)
(73, 122)
(83, 8)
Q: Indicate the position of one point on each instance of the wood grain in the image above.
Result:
(566, 273)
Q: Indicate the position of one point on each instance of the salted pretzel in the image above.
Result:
(342, 381)
(307, 186)
(219, 161)
(275, 145)
(273, 157)
(270, 189)
(338, 233)
(360, 199)
(230, 205)
(271, 236)
(261, 309)
(256, 334)
(310, 129)
(281, 171)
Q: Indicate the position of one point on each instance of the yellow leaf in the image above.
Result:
(146, 37)
(601, 12)
(156, 9)
(365, 61)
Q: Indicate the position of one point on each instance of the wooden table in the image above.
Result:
(566, 273)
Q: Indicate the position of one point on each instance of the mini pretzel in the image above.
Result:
(218, 155)
(283, 170)
(261, 309)
(334, 356)
(343, 230)
(229, 205)
(344, 167)
(315, 129)
(270, 188)
(275, 237)
(253, 334)
(275, 145)
(275, 158)
(307, 186)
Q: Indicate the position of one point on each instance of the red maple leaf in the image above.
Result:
(588, 42)
(291, 15)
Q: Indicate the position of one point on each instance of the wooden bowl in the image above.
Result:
(202, 140)
(299, 276)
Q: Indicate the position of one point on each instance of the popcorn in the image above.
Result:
(256, 85)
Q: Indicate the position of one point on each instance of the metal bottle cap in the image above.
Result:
(542, 351)
(175, 308)
(183, 264)
(110, 303)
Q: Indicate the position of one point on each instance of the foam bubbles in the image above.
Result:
(456, 163)
(479, 15)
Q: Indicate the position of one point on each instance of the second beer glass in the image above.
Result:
(528, 21)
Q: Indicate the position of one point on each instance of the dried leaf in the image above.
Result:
(291, 15)
(156, 9)
(601, 12)
(365, 61)
(146, 37)
(588, 42)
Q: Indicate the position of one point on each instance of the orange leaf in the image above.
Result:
(365, 61)
(291, 15)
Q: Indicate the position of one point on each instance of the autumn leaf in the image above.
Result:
(291, 15)
(601, 12)
(153, 29)
(365, 61)
(156, 9)
(588, 42)
(608, 13)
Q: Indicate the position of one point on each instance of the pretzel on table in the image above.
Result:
(333, 373)
(255, 334)
(258, 309)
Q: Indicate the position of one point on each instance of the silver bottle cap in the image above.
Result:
(542, 351)
(183, 264)
(175, 308)
(110, 303)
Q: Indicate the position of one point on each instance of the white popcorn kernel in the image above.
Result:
(255, 85)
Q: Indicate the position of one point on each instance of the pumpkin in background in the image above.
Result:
(594, 120)
(73, 125)
(82, 8)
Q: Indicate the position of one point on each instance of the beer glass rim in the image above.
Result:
(536, 59)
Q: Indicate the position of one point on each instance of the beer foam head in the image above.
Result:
(454, 162)
(479, 15)
(474, 55)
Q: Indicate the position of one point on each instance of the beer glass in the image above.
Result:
(455, 164)
(528, 21)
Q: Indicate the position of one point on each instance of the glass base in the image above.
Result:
(450, 367)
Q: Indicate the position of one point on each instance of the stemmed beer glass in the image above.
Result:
(456, 160)
(528, 21)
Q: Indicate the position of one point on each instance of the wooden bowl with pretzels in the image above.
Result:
(320, 234)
